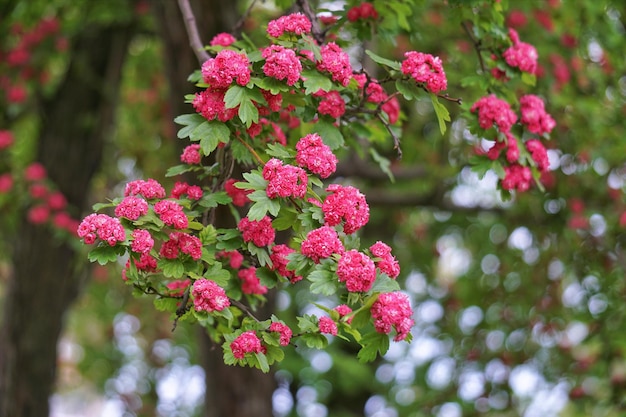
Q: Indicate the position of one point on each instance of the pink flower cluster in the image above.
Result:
(539, 154)
(247, 342)
(6, 139)
(238, 195)
(326, 325)
(345, 204)
(142, 241)
(222, 39)
(282, 63)
(336, 62)
(284, 180)
(235, 259)
(393, 310)
(108, 229)
(208, 296)
(171, 213)
(194, 192)
(226, 67)
(210, 104)
(331, 104)
(191, 155)
(343, 311)
(494, 111)
(534, 115)
(426, 69)
(284, 331)
(375, 93)
(149, 189)
(280, 261)
(132, 207)
(321, 243)
(261, 233)
(295, 23)
(517, 177)
(314, 155)
(250, 283)
(388, 264)
(357, 270)
(181, 242)
(521, 55)
(363, 11)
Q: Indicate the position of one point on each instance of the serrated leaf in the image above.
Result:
(171, 268)
(331, 135)
(384, 284)
(408, 89)
(323, 282)
(285, 220)
(442, 113)
(190, 121)
(383, 61)
(315, 81)
(529, 79)
(100, 206)
(166, 304)
(373, 344)
(278, 151)
(315, 340)
(272, 84)
(104, 254)
(267, 277)
(177, 170)
(383, 163)
(262, 362)
(214, 199)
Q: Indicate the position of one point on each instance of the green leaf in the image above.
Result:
(384, 284)
(177, 170)
(255, 179)
(323, 282)
(234, 96)
(278, 151)
(217, 274)
(529, 79)
(171, 268)
(248, 113)
(373, 343)
(100, 206)
(331, 135)
(442, 113)
(166, 304)
(260, 253)
(383, 163)
(267, 277)
(271, 84)
(285, 220)
(190, 121)
(383, 61)
(315, 81)
(408, 89)
(104, 254)
(308, 323)
(262, 362)
(315, 340)
(214, 199)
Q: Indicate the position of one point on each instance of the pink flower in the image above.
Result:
(191, 155)
(247, 342)
(357, 270)
(521, 55)
(142, 241)
(512, 151)
(35, 172)
(363, 11)
(343, 311)
(6, 139)
(210, 104)
(178, 287)
(182, 188)
(336, 62)
(238, 195)
(171, 213)
(57, 201)
(314, 155)
(328, 326)
(227, 66)
(250, 282)
(108, 229)
(539, 154)
(274, 101)
(208, 296)
(332, 105)
(6, 182)
(388, 263)
(392, 108)
(295, 23)
(132, 208)
(280, 261)
(38, 191)
(284, 331)
(517, 177)
(146, 263)
(222, 39)
(284, 180)
(393, 310)
(282, 63)
(491, 110)
(426, 69)
(261, 233)
(345, 204)
(150, 189)
(321, 243)
(38, 214)
(235, 259)
(534, 115)
(188, 244)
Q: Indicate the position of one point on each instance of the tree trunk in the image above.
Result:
(45, 280)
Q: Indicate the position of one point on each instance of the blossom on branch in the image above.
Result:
(357, 270)
(345, 204)
(426, 69)
(336, 62)
(393, 310)
(295, 23)
(208, 296)
(261, 232)
(282, 63)
(321, 243)
(314, 155)
(226, 67)
(284, 180)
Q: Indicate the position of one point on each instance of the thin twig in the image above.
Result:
(477, 46)
(192, 32)
(316, 30)
(252, 151)
(245, 309)
(243, 18)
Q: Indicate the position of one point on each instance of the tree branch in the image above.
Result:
(316, 30)
(192, 31)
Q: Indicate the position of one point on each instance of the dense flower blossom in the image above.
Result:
(284, 180)
(393, 310)
(149, 188)
(142, 241)
(208, 296)
(521, 55)
(188, 244)
(336, 62)
(357, 270)
(343, 311)
(517, 177)
(274, 101)
(388, 264)
(314, 155)
(222, 39)
(494, 111)
(282, 63)
(191, 155)
(261, 233)
(426, 69)
(321, 243)
(108, 229)
(35, 172)
(131, 207)
(539, 154)
(295, 23)
(6, 182)
(38, 214)
(534, 115)
(194, 192)
(6, 139)
(512, 149)
(363, 11)
(280, 261)
(284, 331)
(171, 213)
(169, 249)
(226, 67)
(392, 108)
(210, 104)
(178, 287)
(247, 342)
(146, 262)
(332, 104)
(327, 325)
(238, 195)
(345, 204)
(250, 283)
(235, 259)
(56, 201)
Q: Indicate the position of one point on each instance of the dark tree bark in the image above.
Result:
(230, 391)
(45, 279)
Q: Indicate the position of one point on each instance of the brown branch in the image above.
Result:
(316, 30)
(192, 31)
